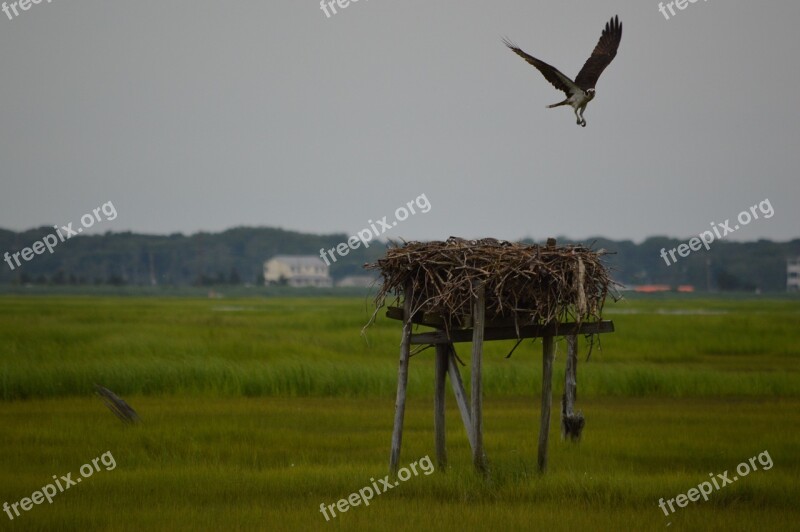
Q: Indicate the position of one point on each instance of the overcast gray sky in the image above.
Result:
(193, 115)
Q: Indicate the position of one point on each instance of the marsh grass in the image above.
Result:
(60, 346)
(255, 411)
(267, 463)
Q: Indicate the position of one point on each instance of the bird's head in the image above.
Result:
(590, 93)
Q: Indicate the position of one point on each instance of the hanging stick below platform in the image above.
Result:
(571, 423)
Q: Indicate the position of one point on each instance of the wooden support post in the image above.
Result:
(571, 423)
(442, 356)
(570, 382)
(478, 322)
(402, 384)
(461, 395)
(548, 352)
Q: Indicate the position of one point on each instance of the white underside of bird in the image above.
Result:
(578, 100)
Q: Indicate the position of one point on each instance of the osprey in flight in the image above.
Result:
(581, 91)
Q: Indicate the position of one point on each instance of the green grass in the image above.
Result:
(312, 347)
(255, 411)
(268, 463)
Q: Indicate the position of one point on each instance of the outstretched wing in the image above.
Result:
(550, 73)
(603, 54)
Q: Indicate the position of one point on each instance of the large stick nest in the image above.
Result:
(529, 284)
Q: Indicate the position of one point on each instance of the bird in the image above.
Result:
(118, 406)
(581, 91)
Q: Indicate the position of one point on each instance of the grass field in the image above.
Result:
(256, 411)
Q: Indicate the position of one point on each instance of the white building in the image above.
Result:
(357, 281)
(297, 270)
(793, 275)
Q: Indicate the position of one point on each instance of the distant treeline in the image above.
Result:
(727, 266)
(236, 256)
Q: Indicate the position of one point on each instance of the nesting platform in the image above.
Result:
(483, 290)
